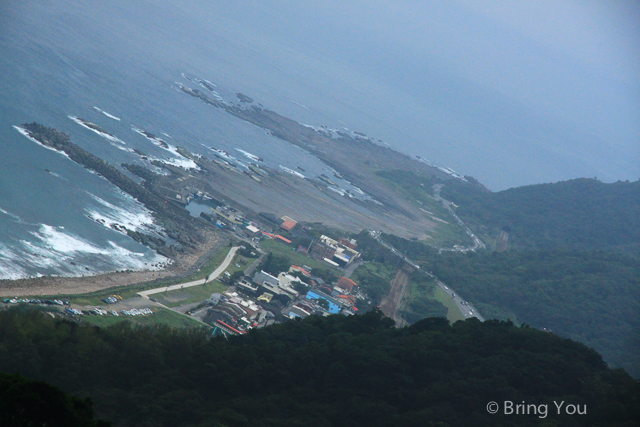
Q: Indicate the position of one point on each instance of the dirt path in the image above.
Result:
(391, 304)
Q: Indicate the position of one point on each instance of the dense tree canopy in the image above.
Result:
(592, 297)
(575, 214)
(334, 371)
(26, 403)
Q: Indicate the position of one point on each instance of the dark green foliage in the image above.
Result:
(274, 264)
(24, 402)
(247, 251)
(592, 297)
(420, 302)
(410, 248)
(323, 303)
(236, 275)
(577, 214)
(375, 286)
(334, 371)
(372, 250)
(325, 274)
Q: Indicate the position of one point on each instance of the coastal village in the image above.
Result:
(258, 298)
(249, 297)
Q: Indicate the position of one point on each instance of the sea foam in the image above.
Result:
(291, 171)
(29, 137)
(111, 116)
(180, 161)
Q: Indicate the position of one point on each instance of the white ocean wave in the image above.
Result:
(291, 171)
(180, 161)
(8, 269)
(10, 215)
(226, 157)
(102, 134)
(298, 104)
(55, 252)
(111, 116)
(340, 191)
(134, 217)
(250, 155)
(114, 141)
(29, 137)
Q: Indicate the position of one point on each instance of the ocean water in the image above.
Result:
(348, 66)
(57, 68)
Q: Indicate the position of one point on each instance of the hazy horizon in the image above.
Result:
(512, 94)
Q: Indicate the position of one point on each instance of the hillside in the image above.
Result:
(24, 402)
(591, 297)
(576, 214)
(338, 371)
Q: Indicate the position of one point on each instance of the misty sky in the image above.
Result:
(509, 92)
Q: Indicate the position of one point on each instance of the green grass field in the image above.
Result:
(453, 312)
(296, 258)
(189, 295)
(378, 269)
(160, 316)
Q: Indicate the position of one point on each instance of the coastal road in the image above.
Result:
(477, 243)
(465, 308)
(216, 273)
(376, 235)
(392, 303)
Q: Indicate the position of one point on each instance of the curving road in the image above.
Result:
(477, 243)
(216, 273)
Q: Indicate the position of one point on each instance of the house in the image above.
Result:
(283, 239)
(346, 285)
(246, 286)
(252, 231)
(287, 283)
(266, 297)
(215, 298)
(300, 310)
(334, 306)
(337, 253)
(346, 300)
(288, 223)
(295, 268)
(321, 250)
(263, 277)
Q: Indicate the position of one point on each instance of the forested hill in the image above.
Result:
(334, 371)
(577, 214)
(592, 297)
(27, 403)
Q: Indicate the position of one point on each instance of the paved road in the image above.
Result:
(376, 235)
(216, 273)
(466, 309)
(477, 243)
(254, 264)
(351, 268)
